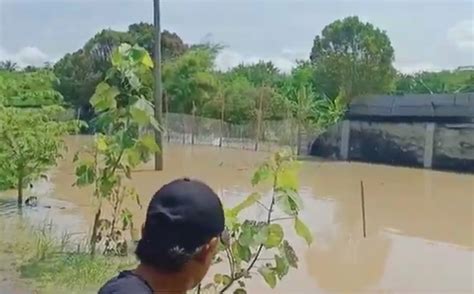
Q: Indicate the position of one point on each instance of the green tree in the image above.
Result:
(260, 73)
(189, 83)
(268, 104)
(304, 112)
(78, 78)
(79, 73)
(353, 56)
(122, 110)
(235, 96)
(29, 89)
(31, 142)
(435, 82)
(188, 80)
(171, 44)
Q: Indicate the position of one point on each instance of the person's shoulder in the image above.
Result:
(125, 283)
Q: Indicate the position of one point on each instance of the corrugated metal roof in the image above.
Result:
(414, 105)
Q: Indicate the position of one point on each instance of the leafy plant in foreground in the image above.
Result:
(261, 244)
(122, 110)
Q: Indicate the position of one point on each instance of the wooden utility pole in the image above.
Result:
(158, 92)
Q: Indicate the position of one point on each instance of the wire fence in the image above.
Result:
(273, 135)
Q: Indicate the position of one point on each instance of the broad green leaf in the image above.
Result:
(269, 276)
(126, 138)
(226, 280)
(146, 60)
(253, 233)
(134, 80)
(133, 157)
(218, 278)
(246, 238)
(140, 55)
(140, 116)
(242, 252)
(230, 218)
(104, 97)
(263, 173)
(142, 112)
(124, 48)
(101, 143)
(148, 141)
(289, 253)
(248, 202)
(85, 174)
(303, 231)
(289, 201)
(106, 184)
(274, 237)
(282, 266)
(116, 58)
(240, 291)
(104, 120)
(287, 179)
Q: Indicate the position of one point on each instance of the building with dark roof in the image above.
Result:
(414, 107)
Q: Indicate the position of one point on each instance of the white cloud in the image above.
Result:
(29, 55)
(462, 34)
(228, 58)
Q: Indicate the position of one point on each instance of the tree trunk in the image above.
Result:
(259, 121)
(298, 139)
(222, 120)
(20, 190)
(184, 127)
(193, 127)
(95, 228)
(167, 117)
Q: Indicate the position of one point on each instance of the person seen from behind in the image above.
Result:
(183, 227)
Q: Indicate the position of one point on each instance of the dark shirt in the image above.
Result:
(126, 283)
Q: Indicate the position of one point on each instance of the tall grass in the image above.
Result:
(55, 263)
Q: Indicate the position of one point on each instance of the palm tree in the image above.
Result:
(8, 65)
(304, 109)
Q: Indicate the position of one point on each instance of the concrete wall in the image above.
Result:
(417, 144)
(389, 143)
(454, 147)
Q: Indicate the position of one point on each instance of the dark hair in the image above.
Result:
(169, 260)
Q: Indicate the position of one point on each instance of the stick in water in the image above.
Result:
(363, 207)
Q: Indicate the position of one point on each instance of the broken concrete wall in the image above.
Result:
(390, 143)
(454, 147)
(402, 143)
(328, 144)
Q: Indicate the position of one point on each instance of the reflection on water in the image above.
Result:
(419, 223)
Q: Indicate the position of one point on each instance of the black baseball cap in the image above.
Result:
(185, 213)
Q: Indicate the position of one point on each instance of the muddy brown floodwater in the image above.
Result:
(419, 222)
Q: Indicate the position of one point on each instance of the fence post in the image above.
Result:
(429, 142)
(345, 139)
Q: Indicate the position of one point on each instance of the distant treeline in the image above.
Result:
(349, 58)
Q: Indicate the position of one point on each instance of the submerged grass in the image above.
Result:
(49, 263)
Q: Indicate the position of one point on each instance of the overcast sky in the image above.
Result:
(426, 34)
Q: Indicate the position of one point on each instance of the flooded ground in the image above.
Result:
(419, 222)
